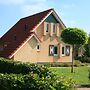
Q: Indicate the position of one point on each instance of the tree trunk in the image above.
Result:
(72, 66)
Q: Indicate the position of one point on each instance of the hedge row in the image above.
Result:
(33, 82)
(21, 76)
(10, 66)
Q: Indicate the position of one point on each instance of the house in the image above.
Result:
(36, 38)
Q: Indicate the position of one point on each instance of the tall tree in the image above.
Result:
(74, 36)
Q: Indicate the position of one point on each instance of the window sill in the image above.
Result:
(63, 55)
(55, 55)
(38, 50)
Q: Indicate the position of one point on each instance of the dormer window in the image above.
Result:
(47, 27)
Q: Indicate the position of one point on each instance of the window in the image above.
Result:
(47, 27)
(38, 47)
(67, 50)
(54, 28)
(63, 51)
(25, 28)
(14, 38)
(53, 50)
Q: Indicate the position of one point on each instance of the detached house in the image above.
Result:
(36, 38)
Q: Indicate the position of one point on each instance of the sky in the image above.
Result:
(73, 13)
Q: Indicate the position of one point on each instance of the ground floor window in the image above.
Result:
(38, 47)
(63, 51)
(66, 50)
(53, 50)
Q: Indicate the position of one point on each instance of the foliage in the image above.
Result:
(74, 36)
(22, 76)
(87, 50)
(33, 82)
(77, 63)
(83, 59)
(24, 82)
(65, 84)
(10, 66)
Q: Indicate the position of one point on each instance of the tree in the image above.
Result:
(87, 48)
(74, 36)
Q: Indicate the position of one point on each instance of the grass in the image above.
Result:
(80, 74)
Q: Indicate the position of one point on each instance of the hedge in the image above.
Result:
(21, 76)
(33, 82)
(10, 66)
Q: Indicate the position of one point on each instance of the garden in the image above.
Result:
(25, 76)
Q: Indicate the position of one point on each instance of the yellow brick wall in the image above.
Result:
(29, 53)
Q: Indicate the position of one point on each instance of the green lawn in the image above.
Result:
(80, 74)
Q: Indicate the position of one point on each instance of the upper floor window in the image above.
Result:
(25, 27)
(47, 27)
(14, 38)
(54, 27)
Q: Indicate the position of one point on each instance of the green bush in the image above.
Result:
(10, 66)
(65, 84)
(33, 82)
(21, 76)
(84, 59)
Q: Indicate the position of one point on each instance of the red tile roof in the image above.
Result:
(21, 31)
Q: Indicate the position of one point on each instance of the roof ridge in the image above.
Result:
(38, 13)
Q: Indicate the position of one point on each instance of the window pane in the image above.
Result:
(37, 46)
(63, 49)
(55, 50)
(51, 50)
(47, 27)
(54, 28)
(67, 50)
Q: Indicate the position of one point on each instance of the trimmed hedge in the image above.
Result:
(10, 66)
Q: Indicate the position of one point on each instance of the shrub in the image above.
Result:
(65, 84)
(22, 76)
(77, 63)
(33, 82)
(84, 59)
(9, 66)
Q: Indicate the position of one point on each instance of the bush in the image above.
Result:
(65, 84)
(9, 66)
(33, 82)
(58, 64)
(84, 59)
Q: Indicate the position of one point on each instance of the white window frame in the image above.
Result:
(53, 50)
(37, 47)
(47, 28)
(54, 28)
(67, 48)
(57, 51)
(64, 50)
